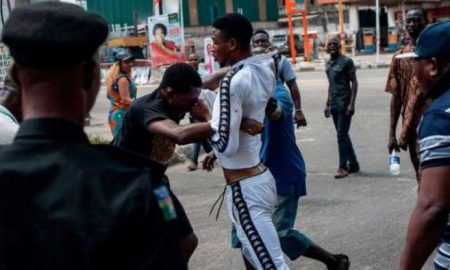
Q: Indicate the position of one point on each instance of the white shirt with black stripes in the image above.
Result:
(243, 92)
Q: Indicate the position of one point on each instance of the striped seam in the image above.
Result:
(249, 229)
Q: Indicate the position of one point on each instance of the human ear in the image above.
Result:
(435, 69)
(232, 44)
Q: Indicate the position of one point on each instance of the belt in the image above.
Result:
(236, 175)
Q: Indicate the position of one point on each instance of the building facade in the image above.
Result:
(195, 12)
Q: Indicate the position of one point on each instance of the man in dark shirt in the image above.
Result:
(66, 204)
(152, 127)
(340, 104)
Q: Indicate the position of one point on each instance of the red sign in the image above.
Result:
(291, 7)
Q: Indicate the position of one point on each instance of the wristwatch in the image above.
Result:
(298, 110)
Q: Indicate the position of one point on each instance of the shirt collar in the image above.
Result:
(51, 128)
(255, 58)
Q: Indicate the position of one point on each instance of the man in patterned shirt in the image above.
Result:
(429, 226)
(406, 98)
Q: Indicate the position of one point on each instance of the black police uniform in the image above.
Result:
(66, 204)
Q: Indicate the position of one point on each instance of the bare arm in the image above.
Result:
(392, 86)
(295, 94)
(429, 218)
(181, 134)
(353, 92)
(124, 91)
(185, 134)
(326, 111)
(395, 110)
(212, 81)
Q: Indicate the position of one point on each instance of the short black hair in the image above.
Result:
(160, 26)
(261, 31)
(180, 77)
(237, 26)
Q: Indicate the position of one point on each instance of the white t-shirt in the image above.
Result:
(8, 126)
(208, 96)
(243, 92)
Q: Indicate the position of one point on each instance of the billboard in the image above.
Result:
(5, 62)
(210, 62)
(166, 40)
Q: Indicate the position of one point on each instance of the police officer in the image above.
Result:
(66, 204)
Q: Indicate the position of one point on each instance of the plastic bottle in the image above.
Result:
(394, 163)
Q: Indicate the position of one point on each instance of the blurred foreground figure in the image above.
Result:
(66, 204)
(10, 111)
(429, 225)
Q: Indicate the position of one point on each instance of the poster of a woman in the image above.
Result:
(166, 40)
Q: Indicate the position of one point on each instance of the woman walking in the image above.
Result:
(121, 90)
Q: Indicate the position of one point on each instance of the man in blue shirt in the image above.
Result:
(280, 153)
(429, 224)
(282, 156)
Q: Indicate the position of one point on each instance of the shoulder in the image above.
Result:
(239, 78)
(285, 63)
(434, 139)
(436, 120)
(153, 100)
(347, 59)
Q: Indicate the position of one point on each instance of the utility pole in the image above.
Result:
(157, 6)
(377, 14)
(306, 48)
(341, 27)
(291, 8)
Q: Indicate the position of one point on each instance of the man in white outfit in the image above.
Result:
(244, 92)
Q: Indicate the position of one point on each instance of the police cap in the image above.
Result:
(51, 35)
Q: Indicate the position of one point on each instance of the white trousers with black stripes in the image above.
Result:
(251, 203)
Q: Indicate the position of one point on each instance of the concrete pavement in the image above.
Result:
(364, 215)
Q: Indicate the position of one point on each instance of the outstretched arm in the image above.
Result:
(296, 97)
(212, 81)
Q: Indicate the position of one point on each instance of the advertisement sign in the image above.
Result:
(210, 63)
(166, 40)
(5, 62)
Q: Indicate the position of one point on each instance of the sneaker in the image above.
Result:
(341, 173)
(192, 166)
(353, 168)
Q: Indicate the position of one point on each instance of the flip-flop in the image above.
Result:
(343, 262)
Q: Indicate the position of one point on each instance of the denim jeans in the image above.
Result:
(342, 123)
(196, 150)
(293, 243)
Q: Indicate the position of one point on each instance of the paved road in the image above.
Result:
(364, 216)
